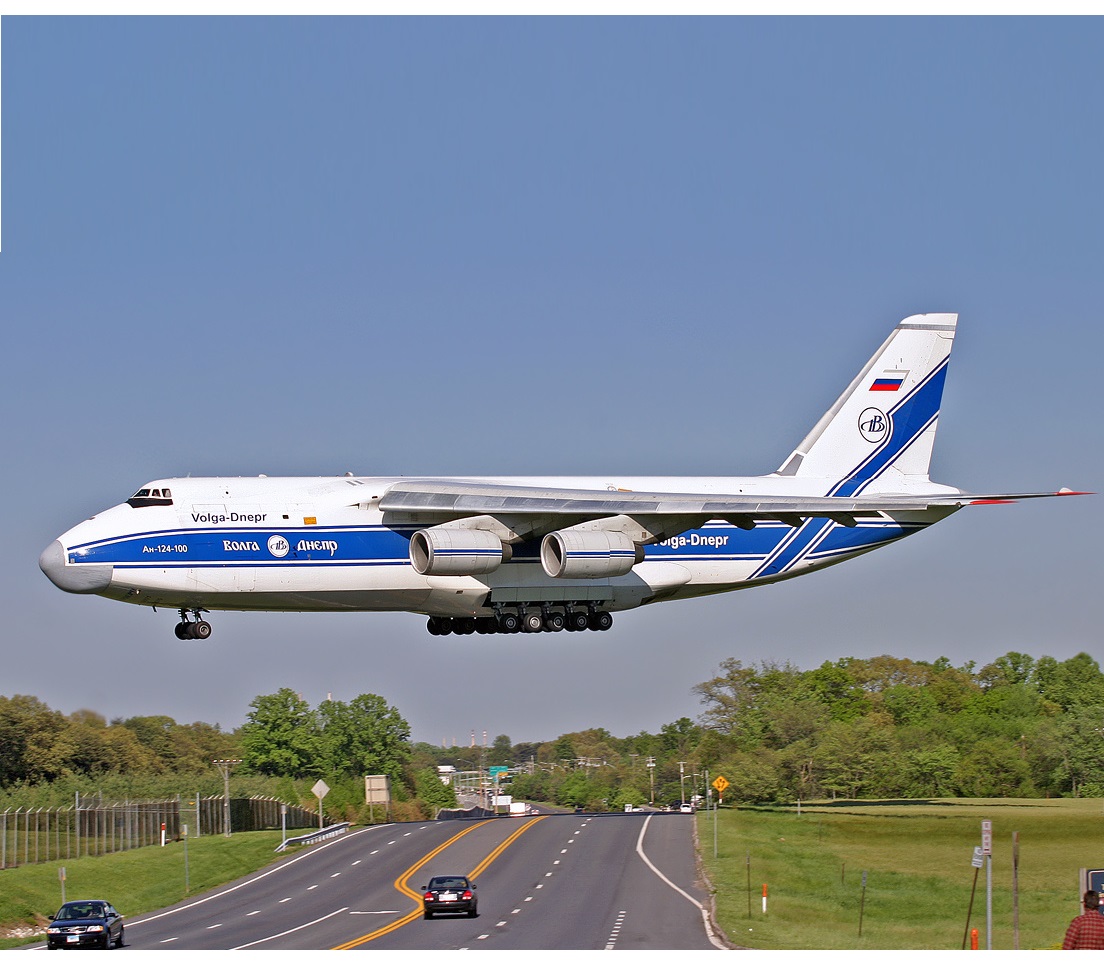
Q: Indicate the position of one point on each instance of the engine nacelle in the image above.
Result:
(450, 551)
(589, 554)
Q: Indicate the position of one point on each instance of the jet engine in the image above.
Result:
(450, 551)
(589, 554)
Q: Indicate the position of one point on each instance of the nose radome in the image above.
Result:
(81, 579)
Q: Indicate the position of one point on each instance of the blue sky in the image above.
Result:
(543, 245)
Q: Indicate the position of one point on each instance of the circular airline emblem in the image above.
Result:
(278, 546)
(873, 424)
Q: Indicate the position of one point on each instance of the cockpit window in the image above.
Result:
(151, 497)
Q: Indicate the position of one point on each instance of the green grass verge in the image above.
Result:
(136, 881)
(917, 857)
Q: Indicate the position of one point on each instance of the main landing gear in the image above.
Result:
(199, 629)
(550, 618)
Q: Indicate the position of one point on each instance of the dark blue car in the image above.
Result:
(85, 923)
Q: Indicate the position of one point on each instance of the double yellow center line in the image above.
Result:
(402, 887)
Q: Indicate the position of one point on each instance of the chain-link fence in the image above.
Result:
(93, 828)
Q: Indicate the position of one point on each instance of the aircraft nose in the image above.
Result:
(82, 579)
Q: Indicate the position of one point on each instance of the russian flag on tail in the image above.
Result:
(889, 381)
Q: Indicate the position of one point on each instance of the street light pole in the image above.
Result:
(224, 765)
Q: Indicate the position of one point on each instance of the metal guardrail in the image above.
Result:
(320, 836)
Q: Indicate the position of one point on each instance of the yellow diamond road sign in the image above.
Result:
(720, 782)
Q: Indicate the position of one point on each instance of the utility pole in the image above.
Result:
(224, 765)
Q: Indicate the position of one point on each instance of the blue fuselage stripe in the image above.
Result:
(772, 544)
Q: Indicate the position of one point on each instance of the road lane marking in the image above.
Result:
(401, 883)
(302, 926)
(648, 862)
(611, 942)
(254, 879)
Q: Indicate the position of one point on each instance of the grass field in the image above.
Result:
(917, 858)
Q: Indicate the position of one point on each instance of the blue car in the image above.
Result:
(85, 923)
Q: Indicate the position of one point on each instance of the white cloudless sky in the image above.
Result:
(620, 246)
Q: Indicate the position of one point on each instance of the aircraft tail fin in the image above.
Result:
(883, 425)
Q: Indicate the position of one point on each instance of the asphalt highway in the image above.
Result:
(545, 882)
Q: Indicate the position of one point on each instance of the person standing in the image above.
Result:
(1086, 932)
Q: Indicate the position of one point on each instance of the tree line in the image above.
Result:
(858, 729)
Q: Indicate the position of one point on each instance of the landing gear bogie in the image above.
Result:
(197, 629)
(523, 618)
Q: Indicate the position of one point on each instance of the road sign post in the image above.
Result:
(321, 790)
(720, 783)
(987, 851)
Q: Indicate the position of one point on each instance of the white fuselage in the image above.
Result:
(323, 544)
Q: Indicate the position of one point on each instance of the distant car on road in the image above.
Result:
(85, 923)
(686, 807)
(449, 894)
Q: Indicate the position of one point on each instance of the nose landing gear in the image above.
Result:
(198, 629)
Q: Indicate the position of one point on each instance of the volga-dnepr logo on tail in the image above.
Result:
(525, 554)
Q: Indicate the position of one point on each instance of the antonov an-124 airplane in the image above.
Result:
(530, 554)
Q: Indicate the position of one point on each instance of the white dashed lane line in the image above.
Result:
(611, 942)
(539, 886)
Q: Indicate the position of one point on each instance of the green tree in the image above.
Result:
(501, 753)
(280, 736)
(432, 791)
(732, 701)
(1077, 682)
(364, 736)
(835, 686)
(27, 726)
(994, 769)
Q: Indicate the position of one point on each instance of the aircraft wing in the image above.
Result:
(446, 500)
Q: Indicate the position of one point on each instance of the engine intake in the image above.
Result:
(589, 554)
(449, 551)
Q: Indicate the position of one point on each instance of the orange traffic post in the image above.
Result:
(764, 897)
(973, 939)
